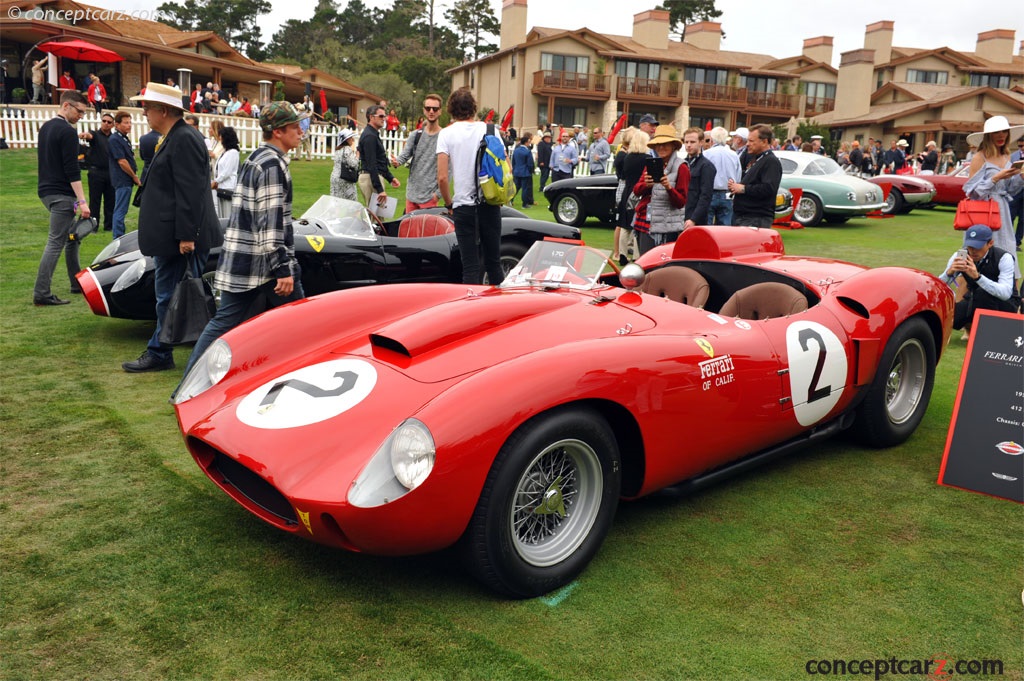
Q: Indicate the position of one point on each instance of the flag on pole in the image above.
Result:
(506, 120)
(616, 128)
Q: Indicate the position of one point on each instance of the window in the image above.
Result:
(824, 90)
(699, 74)
(513, 64)
(472, 78)
(919, 76)
(565, 116)
(702, 122)
(564, 62)
(637, 69)
(758, 83)
(995, 80)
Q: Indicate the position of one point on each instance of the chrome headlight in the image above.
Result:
(130, 276)
(108, 252)
(206, 372)
(400, 465)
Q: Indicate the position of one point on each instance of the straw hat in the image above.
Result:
(345, 135)
(996, 124)
(665, 134)
(160, 93)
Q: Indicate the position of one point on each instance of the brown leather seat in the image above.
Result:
(680, 284)
(416, 226)
(764, 301)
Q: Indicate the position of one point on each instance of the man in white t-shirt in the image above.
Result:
(475, 223)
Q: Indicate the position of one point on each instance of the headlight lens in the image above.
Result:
(412, 453)
(108, 252)
(206, 372)
(130, 276)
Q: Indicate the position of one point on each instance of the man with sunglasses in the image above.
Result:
(374, 158)
(60, 189)
(420, 153)
(101, 190)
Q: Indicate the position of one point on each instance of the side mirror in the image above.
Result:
(632, 276)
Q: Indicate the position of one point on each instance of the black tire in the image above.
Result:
(569, 209)
(808, 211)
(894, 203)
(547, 504)
(511, 254)
(836, 219)
(899, 394)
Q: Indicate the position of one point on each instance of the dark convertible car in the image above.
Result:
(339, 245)
(574, 200)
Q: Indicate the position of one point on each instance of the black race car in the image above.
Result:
(338, 244)
(574, 200)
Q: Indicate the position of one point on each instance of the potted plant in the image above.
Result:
(19, 95)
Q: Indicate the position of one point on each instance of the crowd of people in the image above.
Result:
(667, 182)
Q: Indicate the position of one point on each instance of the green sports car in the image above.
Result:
(828, 192)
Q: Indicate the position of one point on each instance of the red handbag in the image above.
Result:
(970, 212)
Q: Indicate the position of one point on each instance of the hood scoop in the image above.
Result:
(460, 320)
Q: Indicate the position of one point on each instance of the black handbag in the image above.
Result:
(225, 193)
(348, 173)
(82, 228)
(191, 308)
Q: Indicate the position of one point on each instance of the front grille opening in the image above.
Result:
(254, 488)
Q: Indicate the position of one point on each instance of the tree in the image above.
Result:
(473, 20)
(233, 20)
(683, 12)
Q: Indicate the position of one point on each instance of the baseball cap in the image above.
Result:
(742, 132)
(977, 236)
(649, 118)
(279, 114)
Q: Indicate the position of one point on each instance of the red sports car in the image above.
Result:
(949, 189)
(510, 420)
(906, 192)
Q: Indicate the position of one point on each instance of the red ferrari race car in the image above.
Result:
(509, 420)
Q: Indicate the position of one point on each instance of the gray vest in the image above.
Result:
(663, 215)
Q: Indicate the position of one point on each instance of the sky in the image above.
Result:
(776, 27)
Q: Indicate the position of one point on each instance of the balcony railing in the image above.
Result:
(717, 95)
(569, 82)
(773, 101)
(819, 105)
(649, 89)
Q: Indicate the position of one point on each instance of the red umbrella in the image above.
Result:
(489, 117)
(323, 101)
(80, 50)
(616, 128)
(506, 120)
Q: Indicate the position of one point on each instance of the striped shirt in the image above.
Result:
(259, 245)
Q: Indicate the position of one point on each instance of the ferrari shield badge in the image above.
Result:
(316, 242)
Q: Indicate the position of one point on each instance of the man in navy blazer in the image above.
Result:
(177, 222)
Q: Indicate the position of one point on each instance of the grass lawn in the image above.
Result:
(120, 560)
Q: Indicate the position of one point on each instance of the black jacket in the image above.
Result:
(98, 154)
(374, 158)
(57, 154)
(702, 186)
(761, 179)
(543, 154)
(177, 204)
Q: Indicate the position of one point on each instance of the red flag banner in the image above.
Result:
(616, 128)
(506, 120)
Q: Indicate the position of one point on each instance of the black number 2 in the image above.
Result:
(814, 393)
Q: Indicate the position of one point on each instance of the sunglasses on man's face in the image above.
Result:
(431, 108)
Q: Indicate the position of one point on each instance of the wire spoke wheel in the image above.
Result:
(556, 502)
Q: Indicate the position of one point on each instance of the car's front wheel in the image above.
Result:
(894, 203)
(511, 254)
(547, 504)
(809, 211)
(899, 394)
(569, 210)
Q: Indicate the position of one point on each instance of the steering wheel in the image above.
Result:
(377, 224)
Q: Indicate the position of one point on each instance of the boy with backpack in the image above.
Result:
(476, 221)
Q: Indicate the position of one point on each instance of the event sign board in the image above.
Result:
(985, 444)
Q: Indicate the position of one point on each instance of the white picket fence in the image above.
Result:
(19, 125)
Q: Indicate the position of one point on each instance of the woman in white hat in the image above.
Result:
(993, 177)
(346, 167)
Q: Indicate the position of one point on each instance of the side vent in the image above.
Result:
(386, 343)
(854, 306)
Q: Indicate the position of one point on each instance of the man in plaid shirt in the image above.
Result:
(258, 257)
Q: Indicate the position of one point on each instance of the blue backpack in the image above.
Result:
(494, 174)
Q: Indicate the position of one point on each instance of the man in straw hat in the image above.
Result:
(258, 259)
(177, 221)
(993, 176)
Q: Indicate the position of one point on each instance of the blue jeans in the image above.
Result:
(478, 227)
(234, 309)
(122, 199)
(720, 210)
(62, 219)
(169, 271)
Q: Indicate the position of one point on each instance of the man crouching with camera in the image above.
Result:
(987, 273)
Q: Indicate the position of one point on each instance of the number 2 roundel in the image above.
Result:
(817, 370)
(312, 394)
